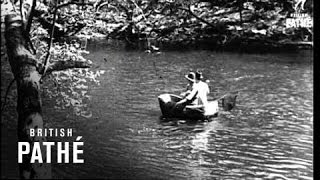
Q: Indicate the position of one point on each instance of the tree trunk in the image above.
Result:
(240, 4)
(24, 68)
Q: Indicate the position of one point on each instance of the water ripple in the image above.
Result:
(269, 134)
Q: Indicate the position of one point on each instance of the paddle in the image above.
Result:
(228, 98)
(225, 93)
(222, 96)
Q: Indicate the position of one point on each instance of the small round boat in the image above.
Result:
(170, 110)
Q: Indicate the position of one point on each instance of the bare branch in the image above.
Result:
(21, 10)
(197, 17)
(31, 16)
(46, 62)
(103, 4)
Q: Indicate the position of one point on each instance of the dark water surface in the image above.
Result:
(269, 135)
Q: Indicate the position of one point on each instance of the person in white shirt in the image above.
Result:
(190, 97)
(202, 88)
(197, 91)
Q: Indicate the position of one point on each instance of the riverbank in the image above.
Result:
(246, 45)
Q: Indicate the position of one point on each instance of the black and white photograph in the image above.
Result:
(157, 89)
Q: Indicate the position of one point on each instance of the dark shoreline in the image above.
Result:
(253, 46)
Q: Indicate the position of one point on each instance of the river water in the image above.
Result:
(269, 134)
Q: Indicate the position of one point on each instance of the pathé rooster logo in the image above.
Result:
(299, 5)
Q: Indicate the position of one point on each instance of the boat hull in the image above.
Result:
(169, 109)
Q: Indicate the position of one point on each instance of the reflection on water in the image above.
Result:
(268, 135)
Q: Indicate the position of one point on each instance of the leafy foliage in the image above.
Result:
(68, 87)
(173, 21)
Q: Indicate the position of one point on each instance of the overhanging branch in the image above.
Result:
(197, 17)
(63, 65)
(70, 3)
